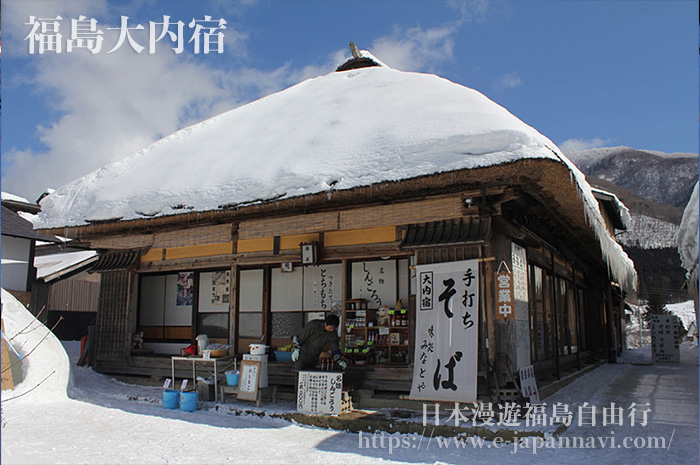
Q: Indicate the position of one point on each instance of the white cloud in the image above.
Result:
(413, 49)
(508, 81)
(420, 49)
(572, 145)
(111, 105)
(471, 10)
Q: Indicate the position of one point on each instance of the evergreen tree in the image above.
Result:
(656, 305)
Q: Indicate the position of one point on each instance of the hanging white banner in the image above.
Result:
(447, 320)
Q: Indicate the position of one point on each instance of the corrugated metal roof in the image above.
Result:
(455, 231)
(115, 261)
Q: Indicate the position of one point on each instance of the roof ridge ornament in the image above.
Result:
(355, 52)
(358, 60)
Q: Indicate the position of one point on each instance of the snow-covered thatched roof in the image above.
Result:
(619, 210)
(335, 132)
(688, 234)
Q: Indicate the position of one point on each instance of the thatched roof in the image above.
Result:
(337, 136)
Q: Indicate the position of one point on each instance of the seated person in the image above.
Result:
(312, 338)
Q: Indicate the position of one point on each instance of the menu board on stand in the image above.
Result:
(320, 392)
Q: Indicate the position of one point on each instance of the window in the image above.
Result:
(582, 319)
(304, 294)
(567, 317)
(541, 323)
(250, 317)
(214, 304)
(165, 306)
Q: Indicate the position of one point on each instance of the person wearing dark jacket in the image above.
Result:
(313, 338)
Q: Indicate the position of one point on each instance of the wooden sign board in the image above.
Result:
(249, 380)
(528, 384)
(665, 339)
(505, 308)
(7, 380)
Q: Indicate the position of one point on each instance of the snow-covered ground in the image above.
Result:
(79, 416)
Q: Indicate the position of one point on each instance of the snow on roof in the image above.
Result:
(688, 233)
(16, 198)
(337, 131)
(622, 209)
(49, 265)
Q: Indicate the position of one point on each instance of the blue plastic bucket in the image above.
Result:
(188, 401)
(171, 398)
(232, 378)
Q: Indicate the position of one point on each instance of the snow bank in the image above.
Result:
(45, 364)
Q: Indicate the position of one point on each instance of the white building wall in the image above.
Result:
(15, 262)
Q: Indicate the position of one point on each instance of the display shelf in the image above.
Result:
(377, 336)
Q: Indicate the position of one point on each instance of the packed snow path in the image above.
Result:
(109, 422)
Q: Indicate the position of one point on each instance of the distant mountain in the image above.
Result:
(666, 178)
(638, 204)
(656, 187)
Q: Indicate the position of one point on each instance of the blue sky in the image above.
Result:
(584, 73)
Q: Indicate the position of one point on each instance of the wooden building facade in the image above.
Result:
(239, 275)
(335, 210)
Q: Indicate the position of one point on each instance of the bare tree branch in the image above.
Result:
(35, 347)
(24, 393)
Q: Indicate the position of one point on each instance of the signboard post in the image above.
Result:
(447, 322)
(665, 339)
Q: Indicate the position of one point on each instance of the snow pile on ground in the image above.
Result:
(110, 422)
(45, 366)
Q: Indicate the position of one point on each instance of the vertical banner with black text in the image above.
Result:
(447, 320)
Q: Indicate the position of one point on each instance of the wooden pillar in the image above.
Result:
(555, 315)
(577, 308)
(266, 304)
(612, 346)
(233, 308)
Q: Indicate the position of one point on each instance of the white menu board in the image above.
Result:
(319, 392)
(665, 339)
